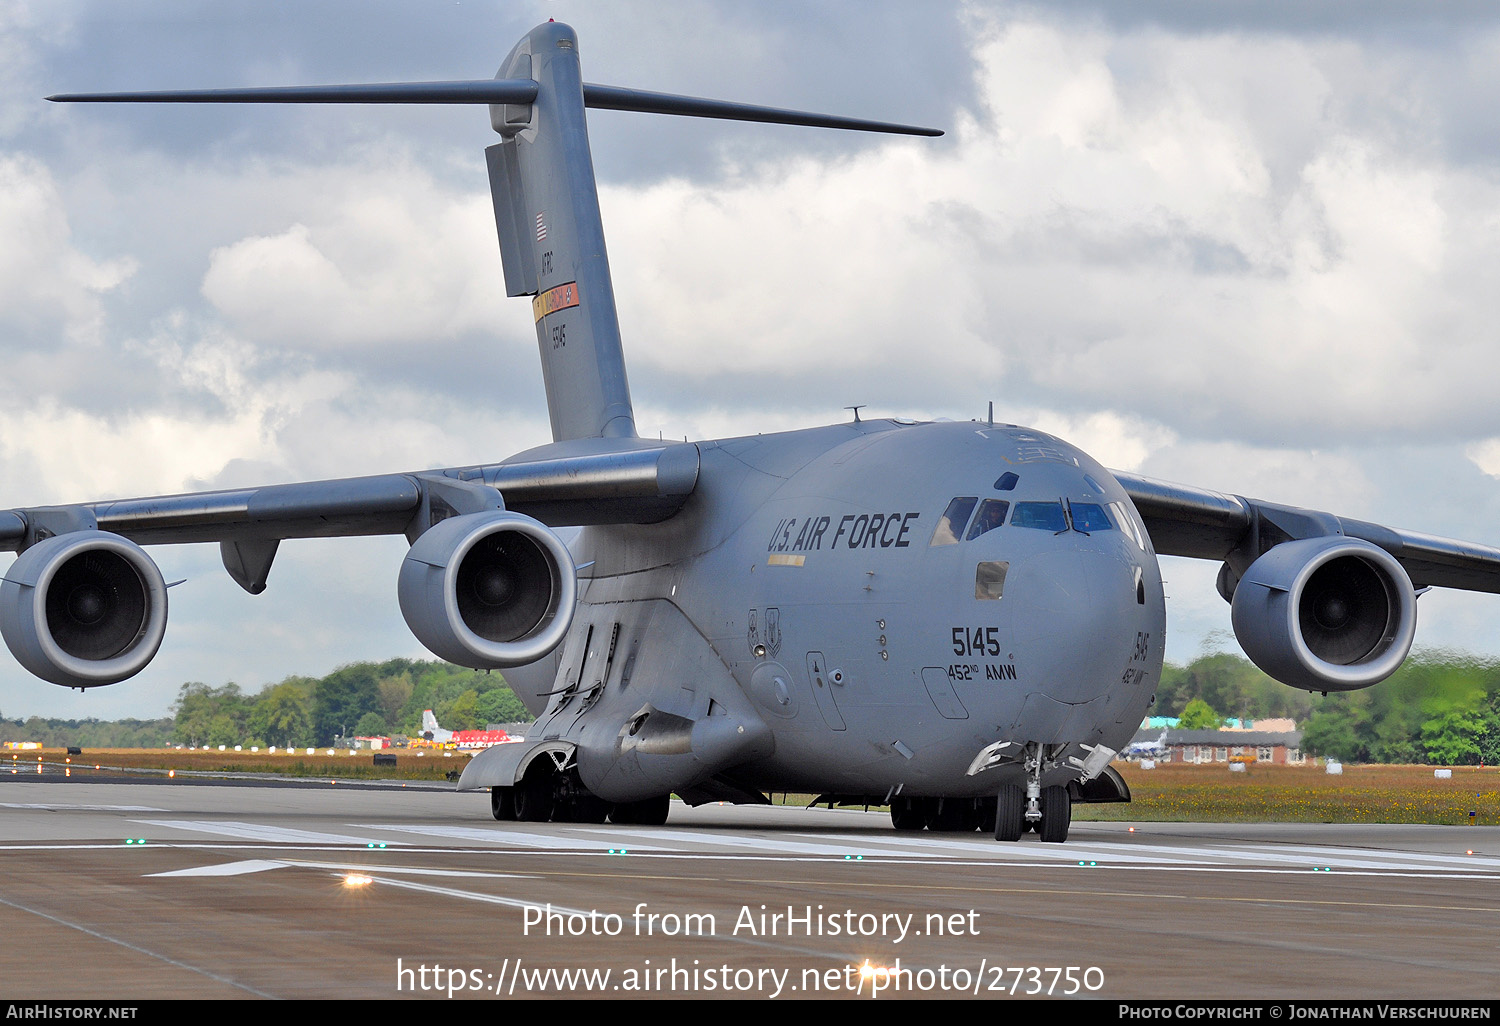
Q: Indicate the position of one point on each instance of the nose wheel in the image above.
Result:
(1057, 815)
(1047, 810)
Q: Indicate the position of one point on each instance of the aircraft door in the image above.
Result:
(823, 685)
(940, 690)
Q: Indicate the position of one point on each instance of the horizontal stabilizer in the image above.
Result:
(488, 90)
(500, 90)
(614, 98)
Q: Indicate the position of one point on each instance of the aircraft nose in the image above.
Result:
(1076, 621)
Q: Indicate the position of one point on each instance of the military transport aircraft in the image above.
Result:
(963, 621)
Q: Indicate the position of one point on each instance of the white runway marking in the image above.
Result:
(55, 807)
(228, 868)
(1010, 851)
(486, 899)
(1491, 862)
(503, 836)
(1305, 860)
(713, 843)
(256, 831)
(1107, 854)
(776, 845)
(261, 865)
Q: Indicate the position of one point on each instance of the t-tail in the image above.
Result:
(546, 202)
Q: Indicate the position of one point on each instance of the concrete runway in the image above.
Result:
(240, 891)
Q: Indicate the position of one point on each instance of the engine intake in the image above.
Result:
(1326, 614)
(84, 609)
(489, 590)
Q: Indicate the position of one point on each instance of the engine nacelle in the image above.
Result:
(1326, 614)
(84, 609)
(489, 590)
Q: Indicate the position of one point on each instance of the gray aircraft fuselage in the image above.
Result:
(800, 590)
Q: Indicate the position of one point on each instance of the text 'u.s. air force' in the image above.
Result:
(852, 531)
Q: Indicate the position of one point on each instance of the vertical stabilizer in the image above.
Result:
(552, 238)
(546, 204)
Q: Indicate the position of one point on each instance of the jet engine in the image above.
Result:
(83, 609)
(1326, 614)
(489, 590)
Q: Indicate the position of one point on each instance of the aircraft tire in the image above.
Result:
(586, 808)
(503, 803)
(646, 812)
(533, 795)
(1057, 815)
(653, 811)
(952, 815)
(1010, 813)
(908, 814)
(984, 810)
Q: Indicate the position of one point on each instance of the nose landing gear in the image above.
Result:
(1047, 810)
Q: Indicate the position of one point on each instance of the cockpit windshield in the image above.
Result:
(1043, 516)
(1088, 517)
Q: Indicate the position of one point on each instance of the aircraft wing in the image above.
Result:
(486, 583)
(636, 485)
(1203, 524)
(623, 485)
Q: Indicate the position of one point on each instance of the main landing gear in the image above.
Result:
(1047, 810)
(949, 815)
(544, 795)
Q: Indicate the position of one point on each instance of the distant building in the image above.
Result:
(1277, 747)
(1279, 725)
(1157, 723)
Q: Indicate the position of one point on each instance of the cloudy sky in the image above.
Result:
(1249, 246)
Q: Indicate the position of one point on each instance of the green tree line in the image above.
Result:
(361, 699)
(1440, 708)
(89, 733)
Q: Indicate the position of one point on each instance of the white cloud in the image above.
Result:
(1131, 225)
(388, 258)
(1333, 481)
(47, 286)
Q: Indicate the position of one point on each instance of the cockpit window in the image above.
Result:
(1044, 516)
(1132, 528)
(989, 579)
(991, 515)
(1007, 481)
(950, 526)
(1088, 517)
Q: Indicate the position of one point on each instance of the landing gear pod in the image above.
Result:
(489, 590)
(1326, 614)
(83, 609)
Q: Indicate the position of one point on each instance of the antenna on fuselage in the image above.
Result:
(546, 202)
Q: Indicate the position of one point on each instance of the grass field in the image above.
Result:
(1291, 794)
(432, 765)
(1172, 792)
